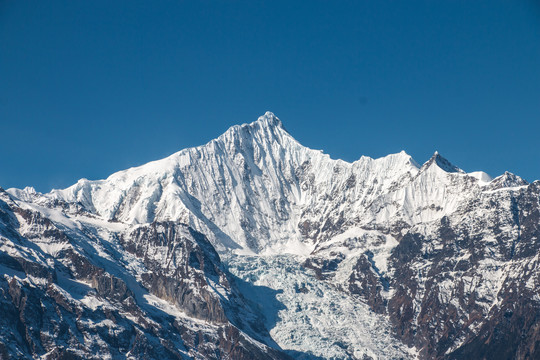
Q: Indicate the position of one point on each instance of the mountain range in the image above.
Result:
(253, 246)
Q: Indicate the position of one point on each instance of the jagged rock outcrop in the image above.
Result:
(69, 294)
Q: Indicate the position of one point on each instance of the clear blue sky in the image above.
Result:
(91, 87)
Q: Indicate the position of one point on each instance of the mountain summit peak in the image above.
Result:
(270, 120)
(442, 163)
(267, 126)
(269, 114)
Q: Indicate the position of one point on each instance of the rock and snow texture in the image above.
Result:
(379, 258)
(312, 318)
(255, 188)
(79, 288)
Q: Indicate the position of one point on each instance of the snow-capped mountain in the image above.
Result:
(254, 246)
(256, 188)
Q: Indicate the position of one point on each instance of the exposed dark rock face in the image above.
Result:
(465, 289)
(366, 281)
(78, 304)
(180, 263)
(465, 286)
(323, 267)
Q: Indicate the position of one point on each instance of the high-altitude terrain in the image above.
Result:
(253, 246)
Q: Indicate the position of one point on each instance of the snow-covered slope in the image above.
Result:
(241, 188)
(78, 287)
(379, 258)
(256, 189)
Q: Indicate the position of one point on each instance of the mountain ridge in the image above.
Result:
(242, 151)
(255, 240)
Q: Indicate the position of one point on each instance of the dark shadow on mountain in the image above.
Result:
(303, 355)
(254, 310)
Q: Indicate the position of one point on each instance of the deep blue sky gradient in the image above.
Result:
(88, 88)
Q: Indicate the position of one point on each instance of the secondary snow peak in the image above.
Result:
(442, 163)
(508, 180)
